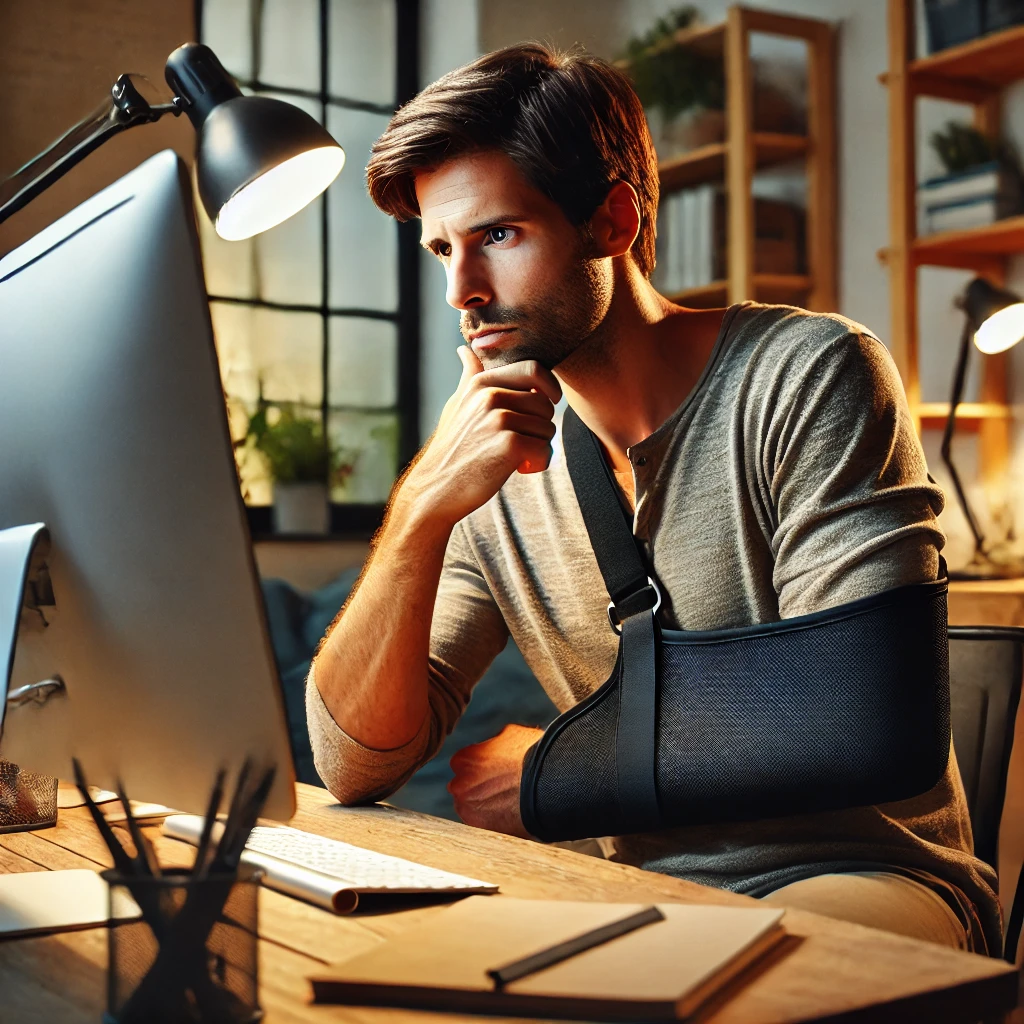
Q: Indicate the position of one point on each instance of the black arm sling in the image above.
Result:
(841, 708)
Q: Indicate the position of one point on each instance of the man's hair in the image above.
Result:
(570, 122)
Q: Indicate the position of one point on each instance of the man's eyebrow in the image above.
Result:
(502, 218)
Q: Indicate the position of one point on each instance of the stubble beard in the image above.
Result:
(555, 325)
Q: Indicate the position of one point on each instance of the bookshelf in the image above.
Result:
(745, 151)
(974, 73)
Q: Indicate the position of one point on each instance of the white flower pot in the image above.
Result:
(301, 508)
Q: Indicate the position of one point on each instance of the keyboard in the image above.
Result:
(328, 872)
(370, 871)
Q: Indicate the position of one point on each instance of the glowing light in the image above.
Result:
(279, 193)
(1002, 330)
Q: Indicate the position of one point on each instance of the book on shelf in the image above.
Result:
(972, 198)
(693, 238)
(969, 213)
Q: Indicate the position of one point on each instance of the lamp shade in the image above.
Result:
(258, 160)
(997, 315)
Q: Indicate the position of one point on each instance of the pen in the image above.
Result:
(516, 969)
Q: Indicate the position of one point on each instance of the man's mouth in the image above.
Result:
(488, 337)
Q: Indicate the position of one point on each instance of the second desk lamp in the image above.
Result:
(994, 320)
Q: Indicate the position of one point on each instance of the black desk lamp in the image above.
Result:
(995, 320)
(258, 160)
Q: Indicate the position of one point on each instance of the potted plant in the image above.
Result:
(682, 91)
(301, 464)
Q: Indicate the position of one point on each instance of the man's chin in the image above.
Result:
(521, 354)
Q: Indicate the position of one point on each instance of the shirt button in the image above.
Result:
(642, 461)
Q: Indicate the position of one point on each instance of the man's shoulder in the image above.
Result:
(778, 328)
(782, 348)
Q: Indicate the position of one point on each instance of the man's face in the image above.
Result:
(522, 275)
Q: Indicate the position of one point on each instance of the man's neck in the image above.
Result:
(639, 366)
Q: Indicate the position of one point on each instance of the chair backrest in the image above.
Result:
(985, 668)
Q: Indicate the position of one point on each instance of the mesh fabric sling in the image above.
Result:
(842, 708)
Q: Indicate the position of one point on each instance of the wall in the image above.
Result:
(450, 39)
(58, 61)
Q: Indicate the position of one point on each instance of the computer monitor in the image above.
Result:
(113, 432)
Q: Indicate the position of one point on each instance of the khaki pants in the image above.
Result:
(877, 899)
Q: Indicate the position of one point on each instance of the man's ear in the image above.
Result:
(616, 222)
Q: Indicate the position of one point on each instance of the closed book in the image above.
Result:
(992, 180)
(972, 213)
(689, 229)
(661, 971)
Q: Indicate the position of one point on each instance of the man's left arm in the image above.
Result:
(855, 512)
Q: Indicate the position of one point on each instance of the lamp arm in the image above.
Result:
(947, 437)
(125, 109)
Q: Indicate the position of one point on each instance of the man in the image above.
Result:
(767, 453)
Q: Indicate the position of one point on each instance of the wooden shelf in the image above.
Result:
(707, 40)
(934, 414)
(956, 248)
(707, 163)
(972, 71)
(782, 288)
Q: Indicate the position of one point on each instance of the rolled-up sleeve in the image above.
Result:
(467, 632)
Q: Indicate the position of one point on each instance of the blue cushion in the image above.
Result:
(508, 691)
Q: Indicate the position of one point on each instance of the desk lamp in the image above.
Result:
(994, 318)
(258, 160)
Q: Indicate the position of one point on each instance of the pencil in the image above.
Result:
(516, 969)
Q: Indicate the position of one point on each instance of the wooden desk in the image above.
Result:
(828, 970)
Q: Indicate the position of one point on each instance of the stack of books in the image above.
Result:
(692, 235)
(970, 199)
(687, 238)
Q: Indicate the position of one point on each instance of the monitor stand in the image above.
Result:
(27, 800)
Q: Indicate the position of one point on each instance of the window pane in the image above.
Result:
(362, 50)
(363, 362)
(366, 447)
(226, 30)
(228, 266)
(289, 267)
(290, 44)
(268, 349)
(363, 241)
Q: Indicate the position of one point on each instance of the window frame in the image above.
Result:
(350, 520)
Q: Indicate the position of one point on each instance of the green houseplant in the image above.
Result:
(301, 463)
(682, 91)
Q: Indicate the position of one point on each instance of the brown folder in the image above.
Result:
(662, 971)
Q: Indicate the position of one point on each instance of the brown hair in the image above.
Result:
(570, 122)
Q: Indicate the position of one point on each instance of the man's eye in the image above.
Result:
(499, 235)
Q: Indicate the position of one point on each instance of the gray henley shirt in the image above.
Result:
(790, 480)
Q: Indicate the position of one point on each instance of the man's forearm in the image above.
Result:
(372, 668)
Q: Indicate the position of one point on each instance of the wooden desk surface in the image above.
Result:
(827, 970)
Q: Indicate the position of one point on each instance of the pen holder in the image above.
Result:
(27, 801)
(183, 949)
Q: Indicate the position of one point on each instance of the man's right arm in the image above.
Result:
(372, 668)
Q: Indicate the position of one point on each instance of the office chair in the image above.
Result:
(986, 664)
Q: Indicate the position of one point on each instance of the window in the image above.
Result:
(320, 314)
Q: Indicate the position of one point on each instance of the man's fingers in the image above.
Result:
(522, 376)
(530, 403)
(471, 366)
(538, 455)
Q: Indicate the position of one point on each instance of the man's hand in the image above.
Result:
(487, 777)
(498, 421)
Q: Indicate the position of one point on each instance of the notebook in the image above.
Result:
(662, 971)
(37, 902)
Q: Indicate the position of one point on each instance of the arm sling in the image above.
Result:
(841, 708)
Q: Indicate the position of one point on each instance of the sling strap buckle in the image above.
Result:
(645, 599)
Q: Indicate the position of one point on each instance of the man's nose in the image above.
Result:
(468, 285)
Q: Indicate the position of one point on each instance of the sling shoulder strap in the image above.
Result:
(634, 600)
